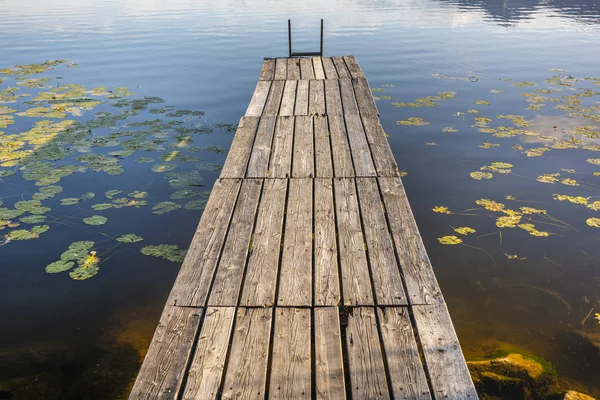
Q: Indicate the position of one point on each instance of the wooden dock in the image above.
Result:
(307, 276)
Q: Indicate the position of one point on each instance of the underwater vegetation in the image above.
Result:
(52, 129)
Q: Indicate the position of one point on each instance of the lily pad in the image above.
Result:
(169, 252)
(163, 167)
(69, 201)
(59, 266)
(129, 238)
(95, 220)
(112, 193)
(195, 205)
(33, 219)
(165, 207)
(102, 206)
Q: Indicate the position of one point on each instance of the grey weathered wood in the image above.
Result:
(384, 268)
(407, 375)
(356, 283)
(318, 65)
(418, 274)
(162, 372)
(385, 164)
(306, 69)
(450, 378)
(274, 99)
(327, 283)
(259, 98)
(323, 162)
(280, 164)
(268, 70)
(348, 99)
(246, 375)
(329, 67)
(328, 354)
(293, 69)
(340, 66)
(367, 370)
(364, 97)
(288, 101)
(239, 152)
(316, 98)
(353, 67)
(206, 371)
(295, 282)
(291, 365)
(304, 158)
(361, 154)
(259, 159)
(263, 263)
(333, 98)
(301, 106)
(193, 282)
(280, 69)
(230, 271)
(340, 149)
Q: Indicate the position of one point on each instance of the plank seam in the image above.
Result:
(192, 354)
(227, 354)
(365, 134)
(412, 319)
(343, 117)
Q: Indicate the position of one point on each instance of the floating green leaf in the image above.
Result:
(167, 251)
(95, 220)
(165, 207)
(59, 266)
(69, 201)
(195, 205)
(129, 238)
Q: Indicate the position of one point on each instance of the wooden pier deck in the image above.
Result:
(307, 276)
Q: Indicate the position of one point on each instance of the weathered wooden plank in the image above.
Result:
(293, 69)
(162, 372)
(367, 370)
(333, 98)
(259, 98)
(304, 159)
(288, 100)
(329, 67)
(323, 162)
(340, 149)
(420, 280)
(295, 282)
(385, 164)
(268, 70)
(341, 68)
(291, 365)
(364, 97)
(306, 69)
(353, 67)
(230, 271)
(259, 158)
(280, 165)
(274, 99)
(316, 101)
(327, 284)
(301, 106)
(280, 69)
(193, 282)
(348, 100)
(246, 375)
(328, 353)
(448, 372)
(206, 371)
(384, 268)
(239, 152)
(407, 375)
(263, 264)
(318, 65)
(356, 283)
(361, 154)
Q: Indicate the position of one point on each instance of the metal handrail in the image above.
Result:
(303, 54)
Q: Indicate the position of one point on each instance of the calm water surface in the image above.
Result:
(68, 339)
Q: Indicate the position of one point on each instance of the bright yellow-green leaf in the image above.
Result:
(481, 175)
(595, 222)
(490, 205)
(450, 240)
(441, 210)
(464, 230)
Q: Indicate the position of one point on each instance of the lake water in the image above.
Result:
(63, 338)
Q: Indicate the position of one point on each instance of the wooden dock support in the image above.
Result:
(307, 276)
